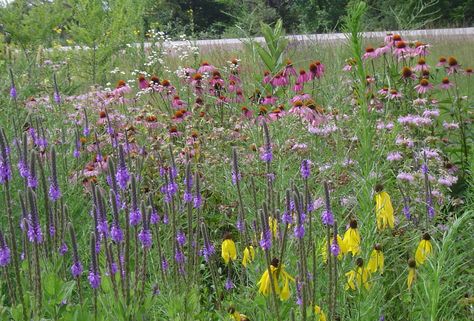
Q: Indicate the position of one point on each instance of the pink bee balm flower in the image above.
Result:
(423, 87)
(403, 176)
(394, 156)
(448, 180)
(448, 126)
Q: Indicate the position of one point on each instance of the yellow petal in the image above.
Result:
(285, 292)
(411, 277)
(423, 250)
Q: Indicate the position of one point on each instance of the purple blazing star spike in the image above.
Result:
(327, 217)
(239, 225)
(122, 174)
(164, 264)
(208, 251)
(52, 230)
(5, 256)
(335, 249)
(145, 238)
(54, 193)
(181, 238)
(424, 168)
(229, 285)
(429, 207)
(77, 269)
(63, 249)
(154, 217)
(23, 168)
(116, 234)
(287, 218)
(135, 217)
(57, 98)
(179, 256)
(305, 169)
(236, 178)
(5, 170)
(94, 279)
(197, 201)
(187, 197)
(13, 92)
(299, 231)
(266, 240)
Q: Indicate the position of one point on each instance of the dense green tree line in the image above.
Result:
(49, 22)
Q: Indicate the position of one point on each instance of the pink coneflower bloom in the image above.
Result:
(370, 53)
(468, 71)
(180, 115)
(280, 81)
(143, 83)
(222, 100)
(421, 49)
(122, 88)
(405, 177)
(239, 96)
(289, 69)
(394, 94)
(297, 87)
(388, 40)
(166, 87)
(177, 103)
(383, 91)
(394, 156)
(316, 70)
(266, 77)
(448, 126)
(235, 79)
(197, 83)
(277, 113)
(401, 49)
(369, 79)
(206, 68)
(269, 100)
(441, 62)
(423, 87)
(421, 66)
(382, 50)
(301, 97)
(453, 65)
(350, 63)
(303, 77)
(446, 84)
(407, 73)
(247, 113)
(174, 132)
(232, 86)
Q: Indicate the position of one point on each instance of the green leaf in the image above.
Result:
(265, 56)
(270, 38)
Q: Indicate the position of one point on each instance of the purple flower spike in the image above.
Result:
(266, 241)
(63, 249)
(135, 217)
(94, 279)
(145, 238)
(116, 234)
(5, 256)
(54, 192)
(299, 231)
(181, 238)
(305, 169)
(335, 250)
(76, 269)
(13, 93)
(229, 285)
(327, 217)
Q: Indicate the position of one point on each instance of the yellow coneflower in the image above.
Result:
(411, 272)
(376, 261)
(320, 313)
(340, 243)
(424, 249)
(236, 315)
(358, 277)
(249, 255)
(352, 238)
(383, 209)
(229, 252)
(278, 273)
(273, 224)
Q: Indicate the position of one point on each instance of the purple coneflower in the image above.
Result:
(446, 84)
(423, 87)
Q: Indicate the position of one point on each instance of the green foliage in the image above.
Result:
(276, 44)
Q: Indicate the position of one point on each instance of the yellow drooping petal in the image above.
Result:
(265, 283)
(350, 280)
(352, 241)
(273, 224)
(320, 313)
(376, 262)
(229, 252)
(384, 211)
(285, 292)
(236, 316)
(423, 250)
(249, 255)
(411, 277)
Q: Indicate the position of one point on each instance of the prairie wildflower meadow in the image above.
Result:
(279, 181)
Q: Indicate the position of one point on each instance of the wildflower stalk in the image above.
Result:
(75, 258)
(45, 199)
(189, 209)
(207, 245)
(34, 214)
